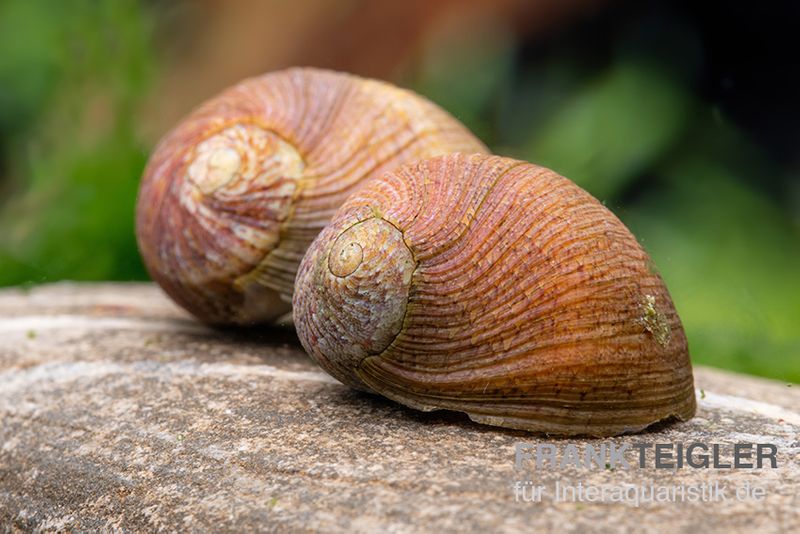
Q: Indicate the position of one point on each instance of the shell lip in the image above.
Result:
(681, 409)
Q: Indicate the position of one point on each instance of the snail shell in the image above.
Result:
(233, 196)
(497, 288)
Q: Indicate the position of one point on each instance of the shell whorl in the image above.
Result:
(529, 305)
(363, 281)
(233, 196)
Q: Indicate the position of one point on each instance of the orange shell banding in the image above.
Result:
(233, 196)
(497, 288)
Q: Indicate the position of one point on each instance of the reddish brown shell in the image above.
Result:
(498, 288)
(233, 196)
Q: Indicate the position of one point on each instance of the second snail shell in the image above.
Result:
(496, 288)
(233, 196)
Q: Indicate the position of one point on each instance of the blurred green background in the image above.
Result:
(682, 118)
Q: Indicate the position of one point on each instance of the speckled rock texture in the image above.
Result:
(120, 412)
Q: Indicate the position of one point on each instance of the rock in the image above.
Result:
(118, 411)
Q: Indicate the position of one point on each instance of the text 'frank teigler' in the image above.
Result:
(695, 455)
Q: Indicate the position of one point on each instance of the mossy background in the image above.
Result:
(682, 118)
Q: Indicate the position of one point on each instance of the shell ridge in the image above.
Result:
(417, 262)
(424, 168)
(265, 272)
(452, 242)
(510, 288)
(505, 172)
(363, 152)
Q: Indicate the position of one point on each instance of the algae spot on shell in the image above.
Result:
(654, 321)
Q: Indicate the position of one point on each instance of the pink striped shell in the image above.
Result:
(497, 288)
(233, 196)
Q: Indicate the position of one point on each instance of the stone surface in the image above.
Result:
(117, 411)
